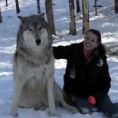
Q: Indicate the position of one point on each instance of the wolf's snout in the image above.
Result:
(38, 41)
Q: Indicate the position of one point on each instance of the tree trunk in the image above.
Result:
(50, 18)
(116, 6)
(6, 3)
(17, 6)
(96, 12)
(38, 6)
(85, 7)
(0, 16)
(78, 6)
(72, 18)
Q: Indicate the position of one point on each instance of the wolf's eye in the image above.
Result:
(30, 29)
(40, 28)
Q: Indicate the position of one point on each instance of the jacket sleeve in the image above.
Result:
(104, 84)
(62, 52)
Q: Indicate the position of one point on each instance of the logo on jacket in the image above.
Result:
(72, 72)
(100, 63)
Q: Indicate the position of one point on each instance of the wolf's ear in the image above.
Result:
(21, 18)
(41, 14)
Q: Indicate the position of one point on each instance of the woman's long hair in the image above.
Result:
(100, 50)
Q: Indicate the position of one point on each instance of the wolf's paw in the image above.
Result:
(50, 113)
(13, 113)
(73, 109)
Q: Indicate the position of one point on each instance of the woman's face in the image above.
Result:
(90, 41)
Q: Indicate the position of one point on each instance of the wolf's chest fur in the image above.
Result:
(35, 75)
(37, 78)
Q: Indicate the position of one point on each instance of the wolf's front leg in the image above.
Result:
(16, 95)
(51, 99)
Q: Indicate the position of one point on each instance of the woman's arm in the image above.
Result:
(104, 82)
(62, 52)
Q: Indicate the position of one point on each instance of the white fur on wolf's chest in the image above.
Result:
(36, 76)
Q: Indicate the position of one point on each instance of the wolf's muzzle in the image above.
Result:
(38, 41)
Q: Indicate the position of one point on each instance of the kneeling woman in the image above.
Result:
(87, 79)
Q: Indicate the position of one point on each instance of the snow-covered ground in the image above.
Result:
(106, 22)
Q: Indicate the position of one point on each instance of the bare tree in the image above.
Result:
(72, 18)
(95, 6)
(85, 7)
(6, 3)
(38, 6)
(50, 17)
(0, 16)
(78, 6)
(17, 6)
(116, 6)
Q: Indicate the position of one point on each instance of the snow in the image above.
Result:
(106, 22)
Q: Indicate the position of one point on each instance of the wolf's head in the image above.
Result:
(34, 32)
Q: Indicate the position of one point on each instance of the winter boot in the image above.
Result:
(84, 107)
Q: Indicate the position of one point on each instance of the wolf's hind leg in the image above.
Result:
(59, 96)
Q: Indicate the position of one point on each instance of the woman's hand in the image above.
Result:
(91, 100)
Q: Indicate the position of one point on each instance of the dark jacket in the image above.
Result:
(84, 78)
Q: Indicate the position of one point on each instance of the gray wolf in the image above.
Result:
(33, 68)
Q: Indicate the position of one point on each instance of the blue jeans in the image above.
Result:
(108, 108)
(105, 106)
